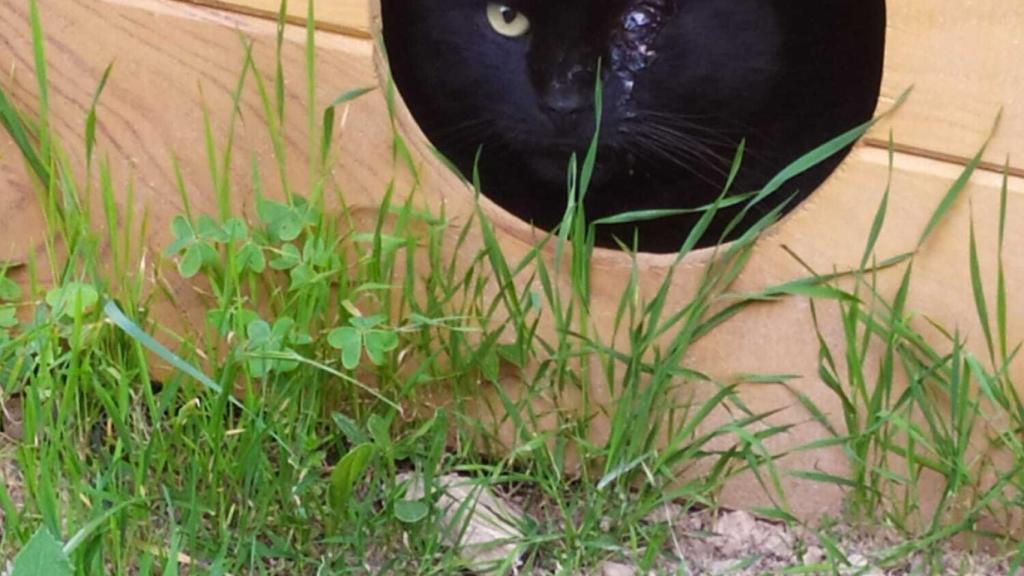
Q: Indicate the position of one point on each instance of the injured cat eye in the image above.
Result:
(507, 21)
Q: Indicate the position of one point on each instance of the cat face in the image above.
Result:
(683, 83)
(520, 75)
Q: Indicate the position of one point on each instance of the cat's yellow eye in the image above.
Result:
(507, 21)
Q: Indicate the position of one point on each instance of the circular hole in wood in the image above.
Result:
(509, 88)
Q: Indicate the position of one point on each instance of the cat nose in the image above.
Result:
(564, 101)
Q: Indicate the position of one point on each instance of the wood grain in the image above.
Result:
(352, 18)
(171, 58)
(963, 62)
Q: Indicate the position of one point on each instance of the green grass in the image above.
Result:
(278, 445)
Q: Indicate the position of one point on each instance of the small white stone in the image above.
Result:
(617, 569)
(814, 555)
(735, 533)
(775, 541)
(722, 566)
(476, 522)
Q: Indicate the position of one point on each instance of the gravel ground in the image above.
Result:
(706, 543)
(738, 544)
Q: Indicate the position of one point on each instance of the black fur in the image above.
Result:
(682, 88)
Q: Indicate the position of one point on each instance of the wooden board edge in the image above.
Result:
(346, 26)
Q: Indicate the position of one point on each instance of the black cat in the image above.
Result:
(684, 82)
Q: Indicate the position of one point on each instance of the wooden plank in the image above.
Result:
(963, 62)
(347, 17)
(153, 108)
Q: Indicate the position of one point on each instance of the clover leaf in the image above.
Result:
(267, 343)
(283, 222)
(287, 258)
(350, 342)
(9, 289)
(363, 333)
(192, 245)
(378, 343)
(251, 257)
(72, 299)
(8, 317)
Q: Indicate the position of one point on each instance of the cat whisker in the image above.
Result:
(705, 137)
(691, 146)
(710, 123)
(466, 130)
(724, 133)
(472, 134)
(684, 158)
(472, 123)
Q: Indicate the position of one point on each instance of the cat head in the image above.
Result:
(519, 76)
(683, 84)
